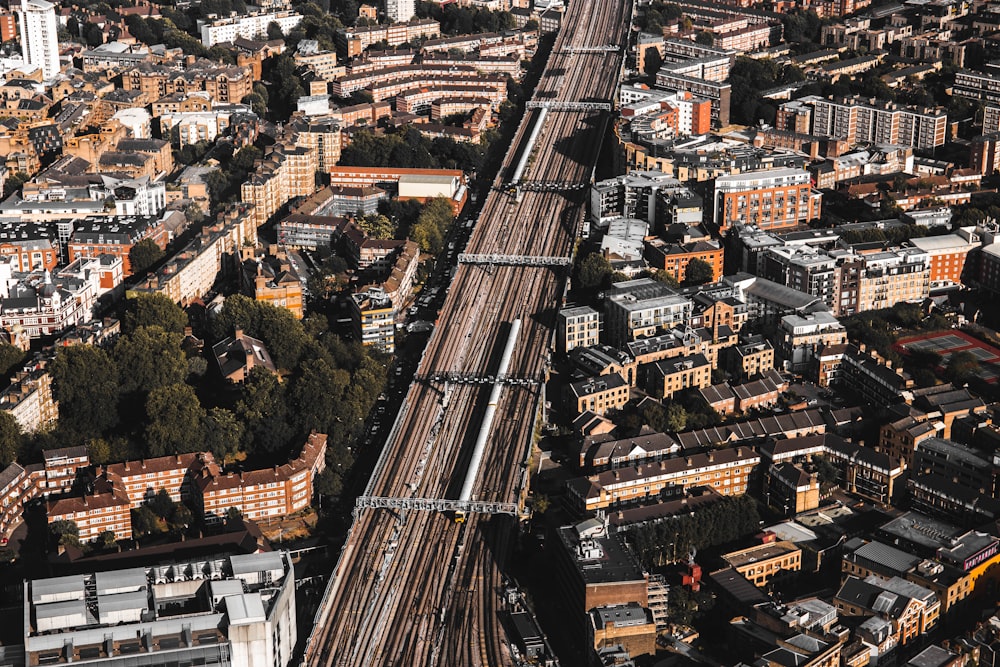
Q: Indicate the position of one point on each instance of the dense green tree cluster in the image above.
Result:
(749, 77)
(432, 225)
(139, 398)
(459, 20)
(224, 183)
(891, 235)
(674, 539)
(656, 14)
(144, 255)
(406, 147)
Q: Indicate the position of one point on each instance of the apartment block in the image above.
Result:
(675, 257)
(764, 562)
(374, 317)
(860, 120)
(301, 230)
(642, 307)
(29, 399)
(598, 394)
(222, 83)
(286, 172)
(579, 326)
(192, 272)
(976, 85)
(105, 511)
(354, 41)
(666, 378)
(890, 277)
(262, 494)
(910, 609)
(116, 236)
(143, 479)
(727, 471)
(991, 119)
(248, 26)
(236, 610)
(770, 199)
(947, 255)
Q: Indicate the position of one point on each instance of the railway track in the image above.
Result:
(413, 587)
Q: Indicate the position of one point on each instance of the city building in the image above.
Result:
(115, 236)
(727, 471)
(237, 609)
(578, 326)
(640, 308)
(768, 199)
(39, 36)
(247, 26)
(238, 354)
(910, 609)
(400, 11)
(29, 400)
(261, 495)
(666, 378)
(373, 315)
(802, 337)
(762, 563)
(598, 394)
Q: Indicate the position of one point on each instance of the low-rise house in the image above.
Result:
(238, 354)
(599, 394)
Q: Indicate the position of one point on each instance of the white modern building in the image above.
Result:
(400, 11)
(250, 26)
(237, 610)
(39, 36)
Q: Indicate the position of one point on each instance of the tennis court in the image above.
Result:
(947, 343)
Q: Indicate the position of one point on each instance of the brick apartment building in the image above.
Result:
(772, 199)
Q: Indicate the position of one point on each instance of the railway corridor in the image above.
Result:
(413, 587)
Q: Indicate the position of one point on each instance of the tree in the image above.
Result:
(175, 418)
(149, 358)
(161, 504)
(233, 515)
(705, 37)
(698, 272)
(826, 471)
(64, 532)
(593, 272)
(329, 483)
(274, 31)
(106, 539)
(961, 366)
(432, 225)
(10, 439)
(316, 395)
(223, 434)
(144, 521)
(264, 412)
(143, 255)
(652, 62)
(154, 309)
(93, 35)
(377, 226)
(10, 357)
(664, 277)
(85, 383)
(14, 183)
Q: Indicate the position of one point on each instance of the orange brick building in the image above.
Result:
(675, 257)
(141, 480)
(262, 494)
(948, 254)
(771, 199)
(95, 514)
(115, 236)
(31, 255)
